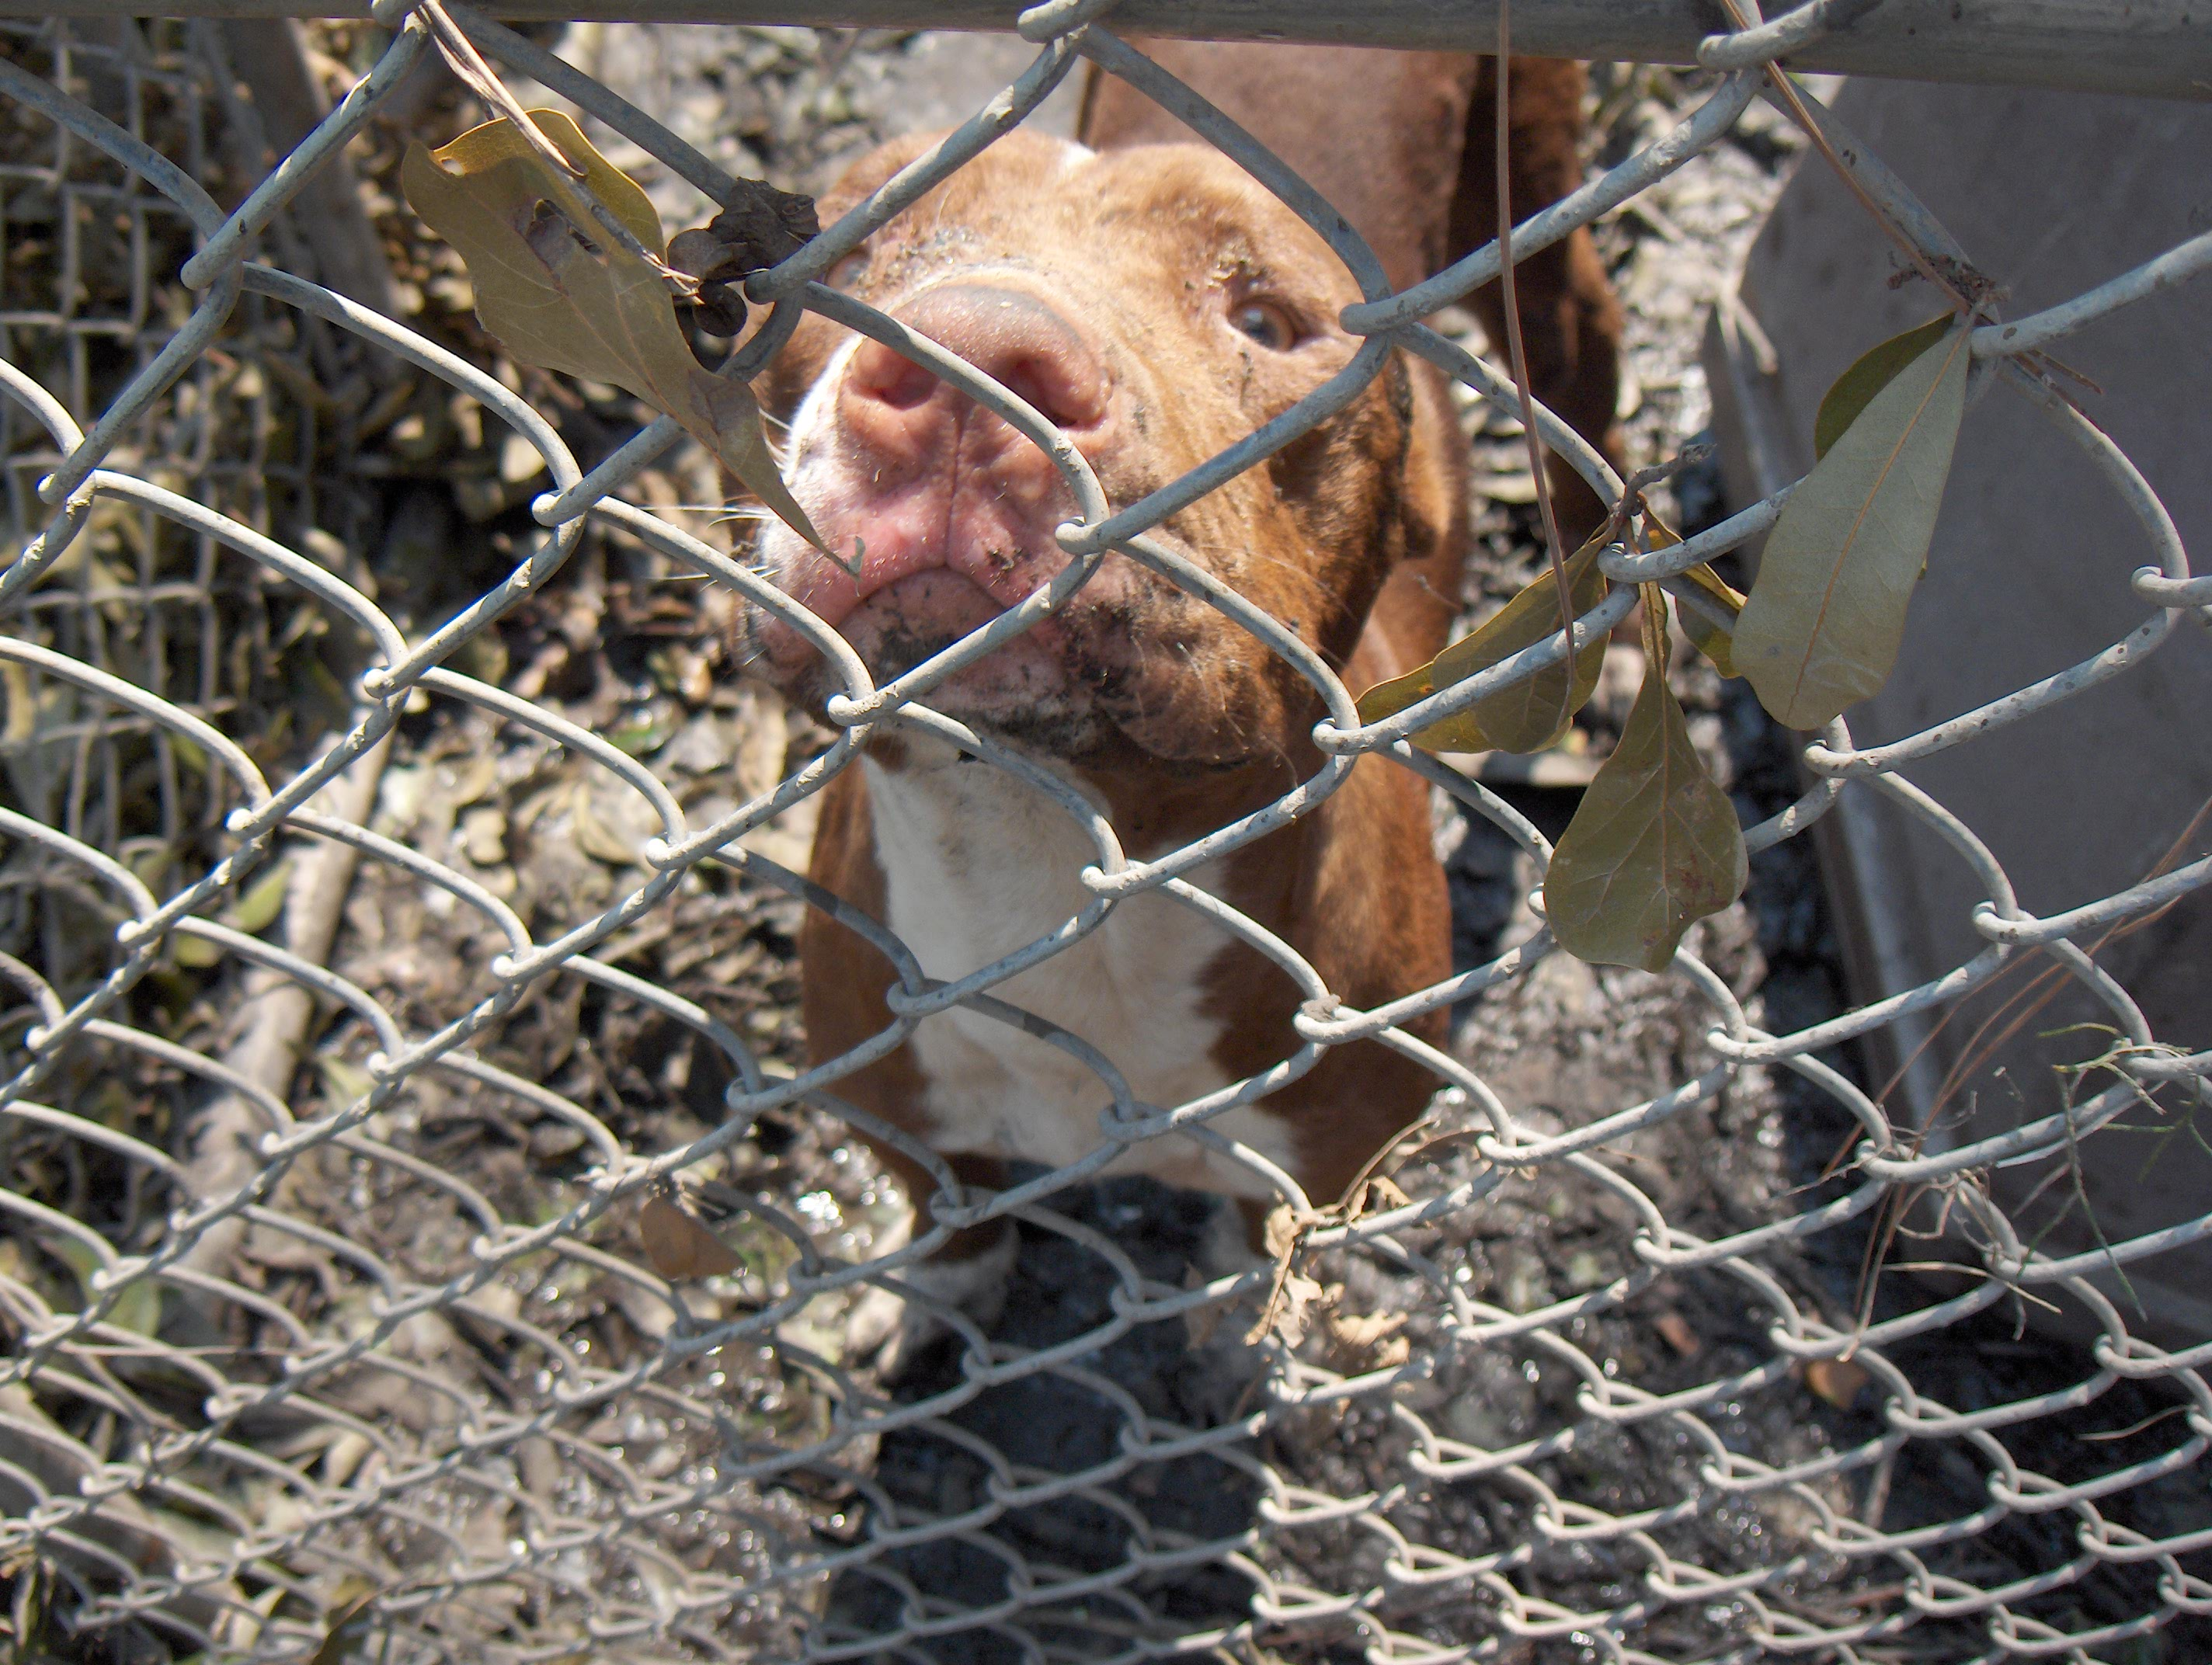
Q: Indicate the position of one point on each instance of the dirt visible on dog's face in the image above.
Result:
(1159, 307)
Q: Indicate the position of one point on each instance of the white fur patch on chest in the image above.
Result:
(977, 864)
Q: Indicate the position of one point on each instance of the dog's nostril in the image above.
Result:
(1015, 338)
(882, 375)
(1050, 388)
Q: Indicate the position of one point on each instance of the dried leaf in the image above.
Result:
(702, 255)
(1364, 1331)
(351, 1605)
(1530, 715)
(1871, 372)
(1291, 1313)
(1675, 1330)
(761, 225)
(1822, 626)
(1714, 642)
(1655, 845)
(560, 294)
(1199, 1324)
(610, 828)
(1708, 638)
(680, 1246)
(22, 705)
(1839, 1381)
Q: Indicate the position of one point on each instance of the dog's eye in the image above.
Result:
(846, 272)
(1266, 323)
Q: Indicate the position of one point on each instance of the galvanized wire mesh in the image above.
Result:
(240, 1423)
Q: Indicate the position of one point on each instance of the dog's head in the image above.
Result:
(1158, 305)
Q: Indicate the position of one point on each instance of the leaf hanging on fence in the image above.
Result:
(1712, 639)
(1871, 372)
(1655, 845)
(1716, 642)
(562, 294)
(1530, 715)
(1822, 626)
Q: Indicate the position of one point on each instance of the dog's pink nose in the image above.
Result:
(1014, 338)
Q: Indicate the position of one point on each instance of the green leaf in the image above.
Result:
(645, 736)
(1871, 372)
(1530, 715)
(560, 293)
(1655, 845)
(189, 753)
(263, 900)
(1822, 626)
(345, 1083)
(195, 952)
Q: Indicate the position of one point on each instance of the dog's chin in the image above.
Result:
(1088, 687)
(1023, 690)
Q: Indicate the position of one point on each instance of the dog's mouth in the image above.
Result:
(938, 564)
(1024, 687)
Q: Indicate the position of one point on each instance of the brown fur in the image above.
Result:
(1421, 188)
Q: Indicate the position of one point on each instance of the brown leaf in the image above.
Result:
(1675, 1330)
(1839, 1381)
(1363, 1332)
(699, 253)
(759, 227)
(344, 1627)
(678, 1245)
(560, 293)
(721, 307)
(1656, 844)
(702, 255)
(763, 227)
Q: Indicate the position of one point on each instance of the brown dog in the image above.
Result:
(1157, 305)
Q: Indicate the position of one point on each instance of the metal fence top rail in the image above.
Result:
(2154, 48)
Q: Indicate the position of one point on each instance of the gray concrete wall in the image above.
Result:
(2049, 194)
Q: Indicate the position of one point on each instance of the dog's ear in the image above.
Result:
(1419, 598)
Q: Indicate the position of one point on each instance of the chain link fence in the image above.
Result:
(381, 950)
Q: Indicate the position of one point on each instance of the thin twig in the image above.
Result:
(1974, 1054)
(575, 197)
(1803, 118)
(1516, 348)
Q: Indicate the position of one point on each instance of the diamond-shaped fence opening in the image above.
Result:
(424, 1234)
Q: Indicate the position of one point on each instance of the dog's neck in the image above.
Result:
(989, 861)
(977, 864)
